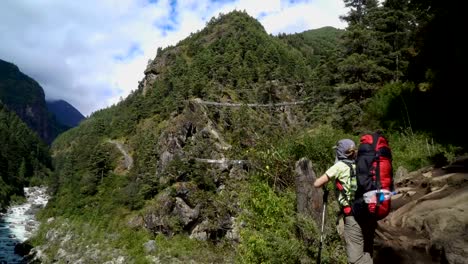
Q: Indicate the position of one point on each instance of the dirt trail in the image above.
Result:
(128, 160)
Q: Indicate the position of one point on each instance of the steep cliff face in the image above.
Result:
(23, 95)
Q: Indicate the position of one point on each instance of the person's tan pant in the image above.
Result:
(359, 244)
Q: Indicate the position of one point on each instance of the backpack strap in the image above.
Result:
(375, 139)
(346, 209)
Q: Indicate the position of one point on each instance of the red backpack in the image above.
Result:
(374, 171)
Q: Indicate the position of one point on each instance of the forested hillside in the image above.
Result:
(24, 158)
(197, 163)
(318, 46)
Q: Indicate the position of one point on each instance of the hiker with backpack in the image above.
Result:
(364, 182)
(358, 236)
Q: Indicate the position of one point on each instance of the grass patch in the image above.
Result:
(180, 248)
(414, 151)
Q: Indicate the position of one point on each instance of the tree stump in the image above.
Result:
(309, 207)
(309, 198)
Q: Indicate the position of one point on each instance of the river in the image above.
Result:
(18, 224)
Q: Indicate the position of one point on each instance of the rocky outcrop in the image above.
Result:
(429, 218)
(193, 128)
(156, 67)
(70, 247)
(187, 205)
(127, 161)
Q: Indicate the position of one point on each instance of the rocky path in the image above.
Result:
(128, 160)
(429, 221)
(18, 224)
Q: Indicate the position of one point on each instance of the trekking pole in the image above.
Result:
(325, 197)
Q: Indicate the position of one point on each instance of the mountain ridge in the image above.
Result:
(23, 95)
(65, 113)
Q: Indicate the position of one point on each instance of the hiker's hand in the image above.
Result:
(319, 182)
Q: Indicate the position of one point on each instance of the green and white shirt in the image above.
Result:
(341, 171)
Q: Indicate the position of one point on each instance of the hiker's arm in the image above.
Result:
(319, 182)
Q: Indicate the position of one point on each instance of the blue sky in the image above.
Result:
(93, 53)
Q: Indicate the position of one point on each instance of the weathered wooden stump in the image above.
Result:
(309, 198)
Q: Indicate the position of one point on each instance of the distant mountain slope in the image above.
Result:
(316, 44)
(65, 112)
(23, 95)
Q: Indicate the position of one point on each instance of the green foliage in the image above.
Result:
(5, 192)
(131, 196)
(17, 88)
(182, 249)
(17, 199)
(110, 239)
(24, 158)
(391, 106)
(317, 46)
(231, 60)
(413, 151)
(269, 232)
(360, 68)
(317, 145)
(233, 53)
(277, 162)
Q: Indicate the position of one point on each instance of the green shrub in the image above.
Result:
(269, 232)
(277, 162)
(390, 107)
(317, 145)
(182, 249)
(414, 151)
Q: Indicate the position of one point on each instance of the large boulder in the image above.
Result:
(429, 220)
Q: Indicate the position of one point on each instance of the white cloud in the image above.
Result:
(92, 53)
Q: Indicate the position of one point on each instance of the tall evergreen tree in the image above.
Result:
(439, 68)
(395, 23)
(359, 69)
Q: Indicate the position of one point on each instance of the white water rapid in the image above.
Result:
(18, 224)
